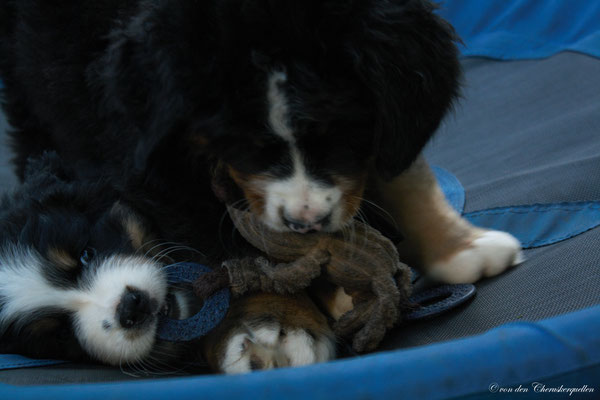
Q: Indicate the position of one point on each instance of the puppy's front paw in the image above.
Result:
(489, 254)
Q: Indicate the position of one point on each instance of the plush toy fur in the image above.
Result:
(366, 267)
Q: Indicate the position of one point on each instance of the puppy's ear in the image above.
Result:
(46, 169)
(158, 74)
(45, 337)
(409, 61)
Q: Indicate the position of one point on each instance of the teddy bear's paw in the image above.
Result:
(367, 324)
(369, 337)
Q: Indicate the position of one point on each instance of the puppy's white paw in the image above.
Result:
(271, 346)
(490, 254)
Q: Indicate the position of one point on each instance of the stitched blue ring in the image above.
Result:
(212, 312)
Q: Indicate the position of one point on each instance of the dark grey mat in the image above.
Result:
(62, 374)
(525, 132)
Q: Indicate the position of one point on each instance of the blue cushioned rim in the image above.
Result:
(524, 29)
(513, 354)
(13, 361)
(538, 225)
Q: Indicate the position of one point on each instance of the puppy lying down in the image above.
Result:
(84, 278)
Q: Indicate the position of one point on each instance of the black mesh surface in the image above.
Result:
(526, 132)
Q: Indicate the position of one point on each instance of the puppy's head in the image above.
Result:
(320, 94)
(300, 100)
(300, 171)
(74, 278)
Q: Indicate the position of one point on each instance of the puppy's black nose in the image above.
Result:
(134, 308)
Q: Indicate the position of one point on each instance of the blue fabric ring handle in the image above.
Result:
(212, 312)
(446, 297)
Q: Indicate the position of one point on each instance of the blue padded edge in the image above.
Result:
(517, 353)
(14, 361)
(540, 224)
(524, 29)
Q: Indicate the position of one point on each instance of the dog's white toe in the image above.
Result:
(488, 255)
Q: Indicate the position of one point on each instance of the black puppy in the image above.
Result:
(297, 105)
(297, 99)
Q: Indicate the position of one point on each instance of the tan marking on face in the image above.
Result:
(199, 142)
(352, 193)
(351, 188)
(135, 231)
(61, 258)
(134, 228)
(252, 186)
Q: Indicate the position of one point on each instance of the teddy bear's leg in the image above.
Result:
(445, 245)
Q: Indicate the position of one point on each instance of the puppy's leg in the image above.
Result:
(265, 331)
(437, 238)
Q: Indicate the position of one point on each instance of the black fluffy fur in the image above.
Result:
(104, 83)
(150, 95)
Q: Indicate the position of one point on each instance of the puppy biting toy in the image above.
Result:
(367, 267)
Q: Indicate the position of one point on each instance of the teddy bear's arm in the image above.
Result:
(260, 274)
